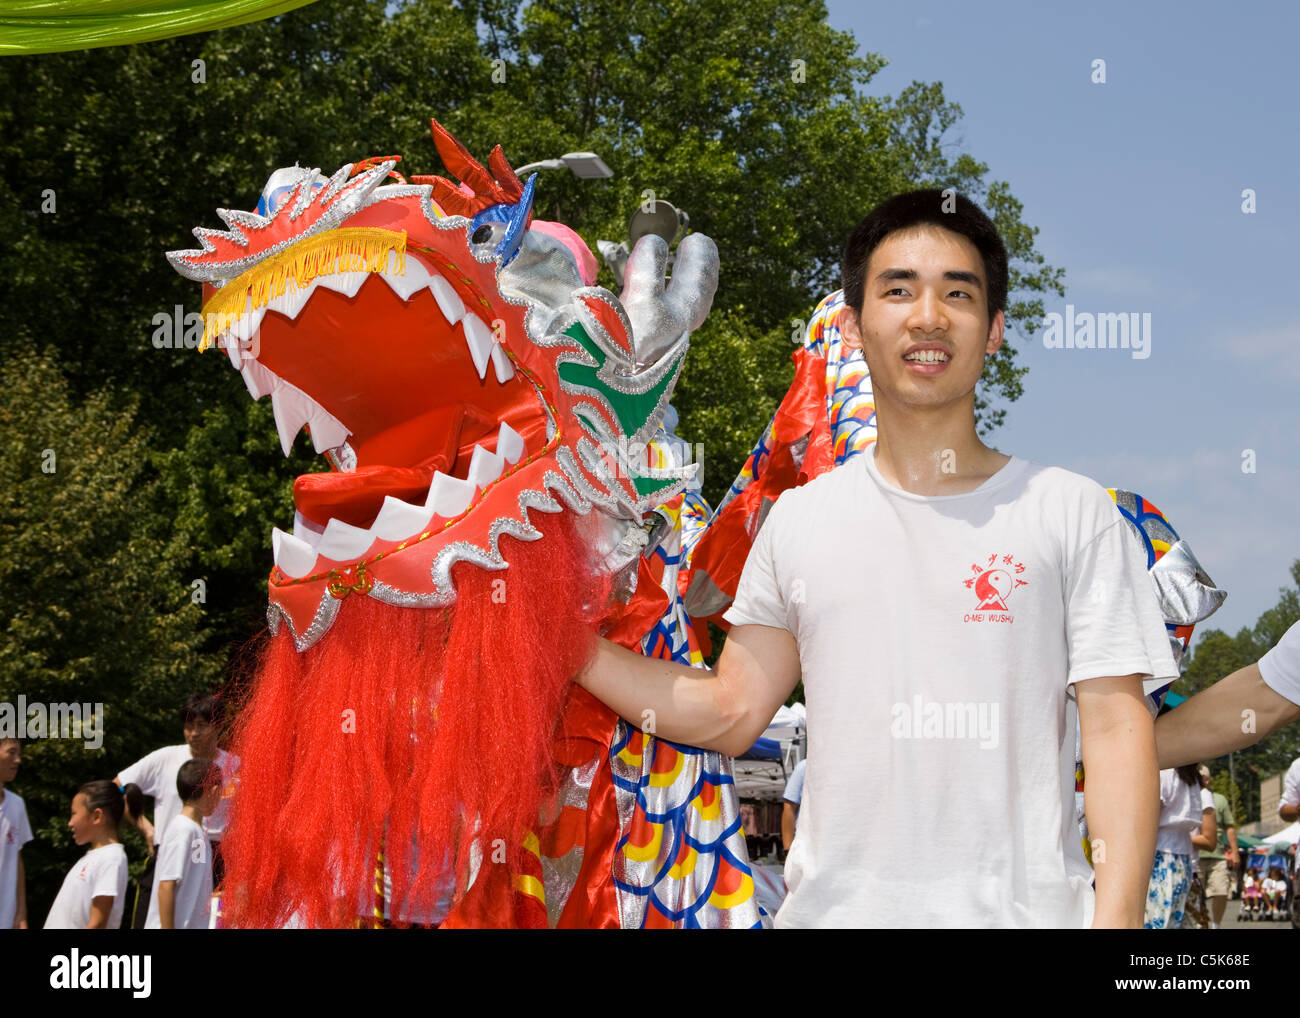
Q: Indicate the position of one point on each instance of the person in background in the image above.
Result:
(1250, 894)
(182, 890)
(93, 894)
(790, 811)
(15, 832)
(1215, 863)
(1186, 824)
(1272, 892)
(156, 773)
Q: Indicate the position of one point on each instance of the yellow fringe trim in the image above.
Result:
(354, 249)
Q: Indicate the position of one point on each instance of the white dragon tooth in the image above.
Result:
(398, 520)
(484, 467)
(342, 541)
(327, 431)
(249, 322)
(346, 283)
(416, 277)
(293, 301)
(449, 302)
(501, 361)
(510, 444)
(478, 337)
(292, 410)
(231, 342)
(306, 530)
(449, 496)
(294, 557)
(259, 379)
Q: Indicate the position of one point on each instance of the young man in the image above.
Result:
(15, 832)
(953, 612)
(182, 890)
(156, 776)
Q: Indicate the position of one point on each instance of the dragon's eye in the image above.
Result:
(482, 235)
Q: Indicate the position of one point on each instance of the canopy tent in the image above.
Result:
(51, 26)
(1284, 838)
(762, 771)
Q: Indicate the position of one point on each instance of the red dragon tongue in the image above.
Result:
(357, 496)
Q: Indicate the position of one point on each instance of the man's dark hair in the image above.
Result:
(926, 208)
(202, 707)
(195, 777)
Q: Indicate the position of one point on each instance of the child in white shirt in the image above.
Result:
(15, 832)
(182, 888)
(94, 891)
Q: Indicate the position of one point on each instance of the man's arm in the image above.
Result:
(141, 822)
(1208, 836)
(20, 916)
(1233, 713)
(787, 825)
(725, 709)
(101, 907)
(1121, 794)
(167, 904)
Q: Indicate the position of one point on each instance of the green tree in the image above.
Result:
(98, 606)
(1217, 655)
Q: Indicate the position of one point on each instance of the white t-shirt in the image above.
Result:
(1181, 807)
(183, 856)
(15, 832)
(1290, 786)
(794, 787)
(1280, 667)
(156, 776)
(101, 871)
(938, 638)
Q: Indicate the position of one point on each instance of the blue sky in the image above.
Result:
(1136, 188)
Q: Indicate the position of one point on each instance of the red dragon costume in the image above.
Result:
(413, 750)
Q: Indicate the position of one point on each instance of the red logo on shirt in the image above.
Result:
(993, 584)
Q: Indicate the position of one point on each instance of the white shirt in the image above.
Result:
(101, 871)
(794, 787)
(938, 638)
(15, 832)
(1290, 786)
(183, 856)
(1280, 667)
(156, 776)
(1181, 807)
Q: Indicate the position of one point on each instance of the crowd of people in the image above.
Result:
(191, 784)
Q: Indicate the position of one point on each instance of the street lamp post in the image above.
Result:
(584, 165)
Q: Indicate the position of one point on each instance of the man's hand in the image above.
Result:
(1121, 795)
(723, 710)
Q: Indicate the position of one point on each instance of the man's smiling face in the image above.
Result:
(925, 328)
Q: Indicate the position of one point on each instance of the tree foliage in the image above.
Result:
(96, 599)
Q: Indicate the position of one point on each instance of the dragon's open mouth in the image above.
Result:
(405, 458)
(453, 365)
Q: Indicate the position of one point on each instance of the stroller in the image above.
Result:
(1255, 905)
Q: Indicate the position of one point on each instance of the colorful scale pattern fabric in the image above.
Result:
(850, 403)
(681, 859)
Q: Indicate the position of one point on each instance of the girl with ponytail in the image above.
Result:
(94, 892)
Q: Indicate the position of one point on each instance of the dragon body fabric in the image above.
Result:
(413, 749)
